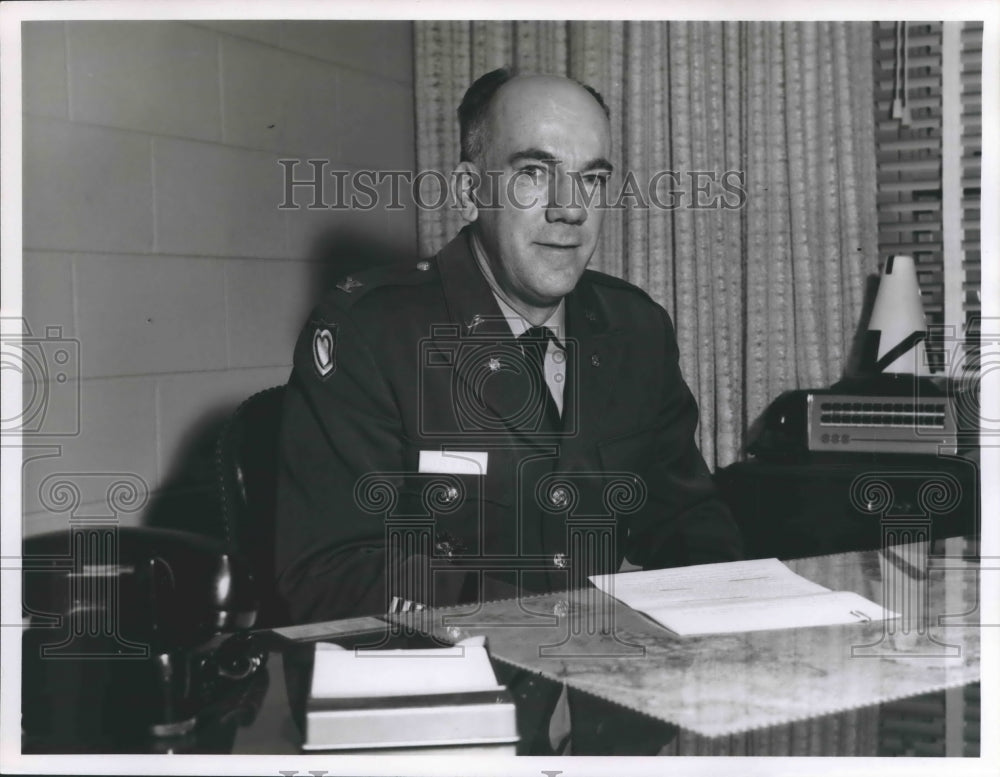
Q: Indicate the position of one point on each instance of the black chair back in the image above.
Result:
(247, 466)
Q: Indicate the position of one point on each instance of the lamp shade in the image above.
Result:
(898, 320)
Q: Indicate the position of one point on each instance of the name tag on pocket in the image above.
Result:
(454, 462)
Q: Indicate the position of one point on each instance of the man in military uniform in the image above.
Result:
(493, 395)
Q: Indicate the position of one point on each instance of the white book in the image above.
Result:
(736, 596)
(407, 699)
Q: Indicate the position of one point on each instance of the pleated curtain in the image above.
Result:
(765, 296)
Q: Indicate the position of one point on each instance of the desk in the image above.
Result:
(815, 690)
(636, 689)
(817, 502)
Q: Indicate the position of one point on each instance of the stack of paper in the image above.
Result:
(736, 596)
(437, 697)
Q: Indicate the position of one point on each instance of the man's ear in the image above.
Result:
(466, 180)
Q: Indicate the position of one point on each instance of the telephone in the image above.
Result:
(132, 634)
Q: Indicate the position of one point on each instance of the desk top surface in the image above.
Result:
(728, 684)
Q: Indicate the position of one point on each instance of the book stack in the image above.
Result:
(419, 701)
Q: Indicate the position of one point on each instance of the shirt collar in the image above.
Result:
(517, 323)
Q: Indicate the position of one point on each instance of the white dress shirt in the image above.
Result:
(555, 354)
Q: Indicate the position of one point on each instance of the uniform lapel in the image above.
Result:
(483, 335)
(489, 373)
(597, 354)
(470, 301)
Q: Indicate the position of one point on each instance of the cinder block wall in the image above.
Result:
(153, 236)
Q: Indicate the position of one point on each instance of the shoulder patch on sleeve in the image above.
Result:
(324, 348)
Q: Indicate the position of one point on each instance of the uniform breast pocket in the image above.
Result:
(463, 511)
(468, 492)
(462, 477)
(449, 492)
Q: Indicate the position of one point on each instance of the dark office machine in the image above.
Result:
(833, 470)
(896, 415)
(887, 453)
(134, 639)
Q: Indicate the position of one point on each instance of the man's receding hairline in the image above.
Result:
(479, 100)
(490, 112)
(491, 105)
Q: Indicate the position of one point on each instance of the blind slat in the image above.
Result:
(912, 144)
(886, 86)
(932, 42)
(893, 125)
(909, 186)
(910, 248)
(914, 103)
(911, 207)
(893, 223)
(922, 165)
(928, 87)
(913, 64)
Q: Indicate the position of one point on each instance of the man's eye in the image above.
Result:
(533, 173)
(596, 179)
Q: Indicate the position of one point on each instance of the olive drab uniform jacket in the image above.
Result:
(420, 456)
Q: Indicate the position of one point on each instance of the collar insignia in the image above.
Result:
(349, 284)
(473, 324)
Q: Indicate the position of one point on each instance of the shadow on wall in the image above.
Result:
(338, 252)
(188, 497)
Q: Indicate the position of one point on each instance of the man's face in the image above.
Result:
(542, 132)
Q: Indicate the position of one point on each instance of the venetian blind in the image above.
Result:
(928, 141)
(971, 145)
